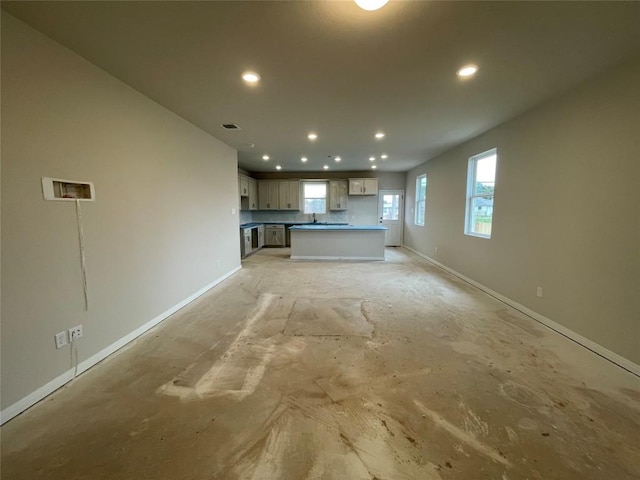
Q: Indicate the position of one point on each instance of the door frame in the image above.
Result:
(381, 194)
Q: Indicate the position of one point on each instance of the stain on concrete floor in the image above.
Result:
(321, 370)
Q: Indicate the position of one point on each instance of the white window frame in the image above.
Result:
(304, 198)
(420, 200)
(471, 195)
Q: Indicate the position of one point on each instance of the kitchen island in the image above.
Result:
(337, 242)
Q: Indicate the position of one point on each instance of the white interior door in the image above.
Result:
(390, 208)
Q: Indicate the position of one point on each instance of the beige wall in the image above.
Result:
(567, 211)
(161, 222)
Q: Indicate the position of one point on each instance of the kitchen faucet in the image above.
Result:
(314, 217)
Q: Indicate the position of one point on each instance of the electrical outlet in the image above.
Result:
(61, 339)
(539, 292)
(75, 333)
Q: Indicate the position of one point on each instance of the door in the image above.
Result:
(390, 215)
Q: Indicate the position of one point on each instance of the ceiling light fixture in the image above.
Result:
(384, 156)
(371, 5)
(467, 71)
(265, 157)
(278, 167)
(371, 159)
(312, 136)
(326, 167)
(303, 159)
(373, 167)
(251, 77)
(337, 159)
(379, 135)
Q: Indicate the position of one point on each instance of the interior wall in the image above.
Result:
(160, 230)
(566, 211)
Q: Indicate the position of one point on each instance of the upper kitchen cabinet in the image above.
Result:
(248, 193)
(243, 185)
(363, 186)
(268, 195)
(289, 194)
(338, 194)
(253, 194)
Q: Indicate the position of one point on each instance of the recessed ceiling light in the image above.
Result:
(371, 159)
(326, 167)
(384, 156)
(278, 167)
(467, 71)
(251, 77)
(379, 135)
(312, 136)
(373, 167)
(371, 4)
(265, 157)
(337, 159)
(303, 159)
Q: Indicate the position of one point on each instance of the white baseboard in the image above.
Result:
(562, 330)
(50, 387)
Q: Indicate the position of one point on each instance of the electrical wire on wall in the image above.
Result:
(83, 263)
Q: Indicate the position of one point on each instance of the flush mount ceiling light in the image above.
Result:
(251, 77)
(265, 157)
(372, 159)
(278, 167)
(303, 159)
(384, 156)
(337, 159)
(312, 136)
(373, 167)
(326, 167)
(371, 5)
(467, 71)
(379, 135)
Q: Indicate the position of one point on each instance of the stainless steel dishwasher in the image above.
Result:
(274, 235)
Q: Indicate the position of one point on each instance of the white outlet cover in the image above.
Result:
(61, 339)
(77, 330)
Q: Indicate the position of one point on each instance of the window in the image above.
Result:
(481, 181)
(421, 199)
(315, 197)
(391, 206)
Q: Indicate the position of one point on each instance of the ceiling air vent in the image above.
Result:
(230, 126)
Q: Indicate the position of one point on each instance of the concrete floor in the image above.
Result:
(317, 370)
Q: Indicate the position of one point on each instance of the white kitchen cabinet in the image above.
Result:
(253, 195)
(363, 186)
(243, 185)
(248, 193)
(289, 194)
(338, 194)
(268, 195)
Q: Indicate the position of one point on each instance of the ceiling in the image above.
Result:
(342, 72)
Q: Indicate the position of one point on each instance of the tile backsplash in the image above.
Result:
(265, 216)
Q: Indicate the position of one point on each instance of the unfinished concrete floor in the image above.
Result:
(317, 370)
